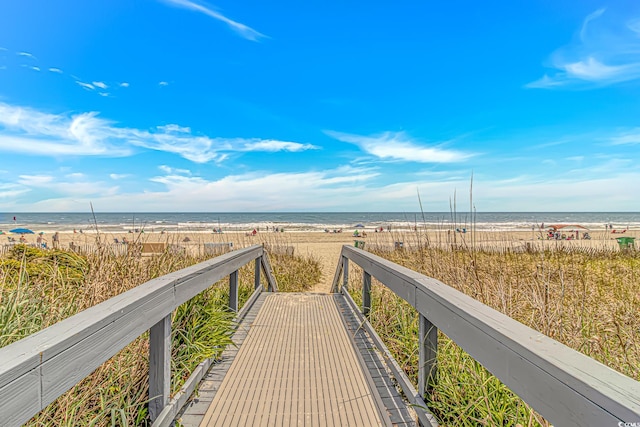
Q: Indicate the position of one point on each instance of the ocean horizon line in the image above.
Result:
(316, 212)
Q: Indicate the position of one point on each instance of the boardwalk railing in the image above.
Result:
(39, 368)
(563, 385)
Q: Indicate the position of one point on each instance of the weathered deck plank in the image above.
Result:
(297, 366)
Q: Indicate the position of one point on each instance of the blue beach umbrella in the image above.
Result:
(359, 226)
(21, 231)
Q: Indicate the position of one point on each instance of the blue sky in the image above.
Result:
(185, 105)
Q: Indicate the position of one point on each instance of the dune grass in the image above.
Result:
(586, 299)
(39, 288)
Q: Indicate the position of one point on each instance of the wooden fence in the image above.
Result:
(39, 368)
(563, 385)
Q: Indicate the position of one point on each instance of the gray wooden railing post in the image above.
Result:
(233, 291)
(257, 272)
(159, 366)
(428, 351)
(345, 273)
(366, 293)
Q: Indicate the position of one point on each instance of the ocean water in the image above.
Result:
(311, 221)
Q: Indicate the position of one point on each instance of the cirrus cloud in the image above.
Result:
(241, 29)
(399, 146)
(28, 131)
(273, 146)
(26, 55)
(605, 51)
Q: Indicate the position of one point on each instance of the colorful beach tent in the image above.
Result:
(557, 227)
(21, 231)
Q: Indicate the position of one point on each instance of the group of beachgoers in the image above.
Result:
(575, 235)
(257, 230)
(41, 241)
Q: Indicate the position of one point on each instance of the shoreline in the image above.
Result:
(310, 222)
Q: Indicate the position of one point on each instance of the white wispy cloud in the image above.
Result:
(241, 29)
(11, 190)
(630, 137)
(35, 180)
(3, 67)
(87, 86)
(399, 146)
(274, 146)
(174, 128)
(93, 86)
(336, 190)
(31, 67)
(75, 187)
(320, 190)
(173, 171)
(163, 83)
(25, 130)
(198, 149)
(124, 84)
(604, 51)
(55, 70)
(28, 131)
(3, 49)
(117, 176)
(26, 55)
(316, 189)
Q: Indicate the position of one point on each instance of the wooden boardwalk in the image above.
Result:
(297, 366)
(308, 359)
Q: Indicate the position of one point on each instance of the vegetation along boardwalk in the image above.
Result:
(309, 359)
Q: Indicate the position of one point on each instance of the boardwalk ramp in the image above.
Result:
(299, 363)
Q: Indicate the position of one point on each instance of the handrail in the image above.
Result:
(563, 385)
(39, 368)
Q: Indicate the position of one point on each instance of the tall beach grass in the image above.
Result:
(39, 288)
(586, 298)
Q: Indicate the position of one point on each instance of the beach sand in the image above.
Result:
(325, 247)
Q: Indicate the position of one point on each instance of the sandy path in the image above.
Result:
(327, 254)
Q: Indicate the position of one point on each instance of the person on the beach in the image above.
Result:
(56, 240)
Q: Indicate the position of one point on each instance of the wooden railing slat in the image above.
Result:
(272, 285)
(22, 397)
(159, 366)
(233, 291)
